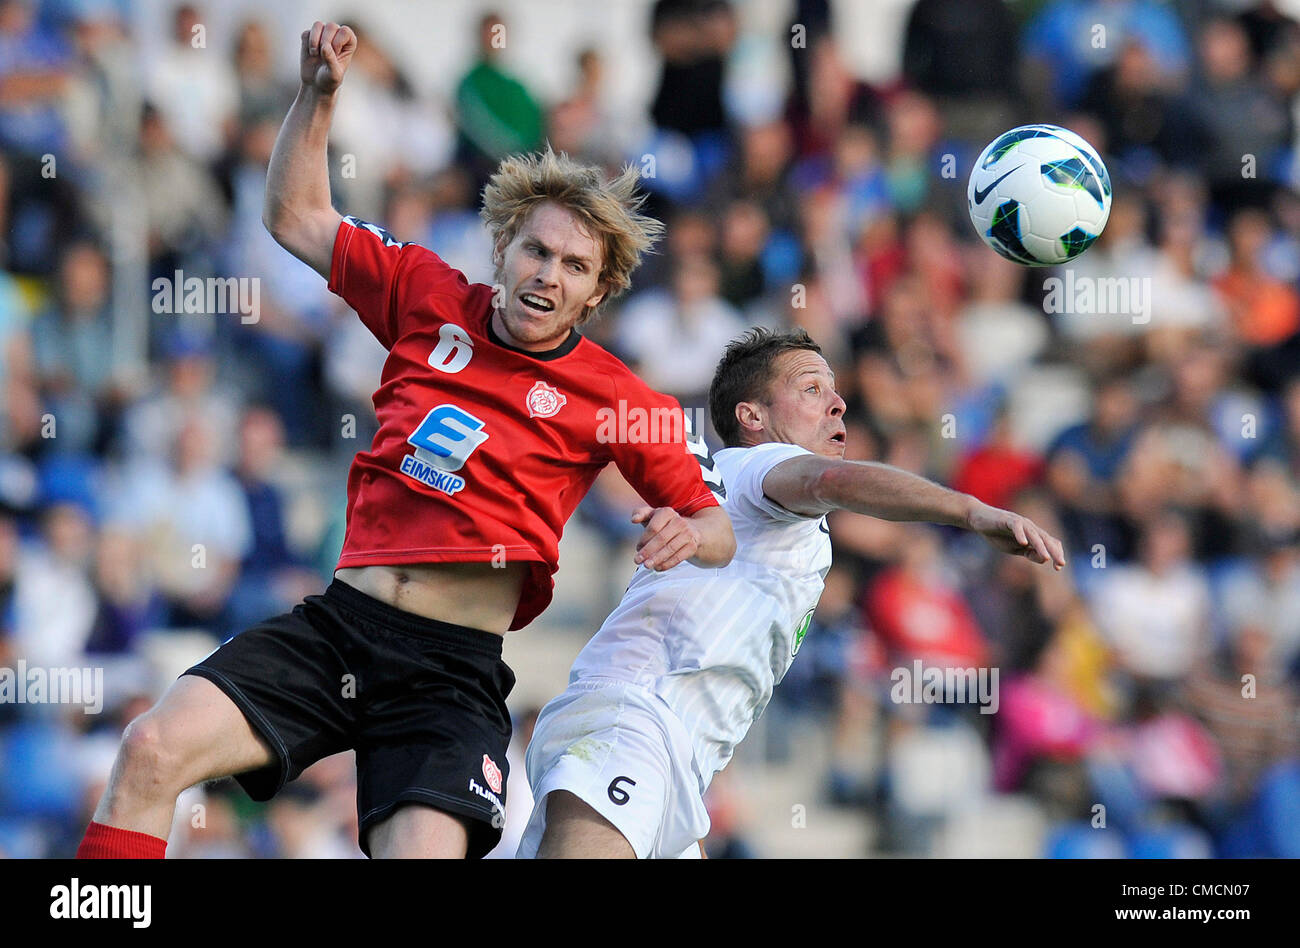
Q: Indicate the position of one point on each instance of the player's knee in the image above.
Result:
(148, 764)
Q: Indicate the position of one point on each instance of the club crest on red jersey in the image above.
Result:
(492, 774)
(544, 401)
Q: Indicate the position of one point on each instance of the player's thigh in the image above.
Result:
(416, 831)
(612, 749)
(195, 733)
(433, 730)
(574, 830)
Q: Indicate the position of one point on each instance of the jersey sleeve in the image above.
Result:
(379, 276)
(664, 468)
(745, 484)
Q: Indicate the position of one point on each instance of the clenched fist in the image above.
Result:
(327, 49)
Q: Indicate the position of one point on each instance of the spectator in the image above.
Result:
(388, 134)
(127, 602)
(999, 468)
(920, 614)
(154, 421)
(1263, 310)
(581, 125)
(758, 172)
(303, 825)
(998, 334)
(1263, 597)
(272, 576)
(899, 366)
(195, 521)
(34, 75)
(1069, 40)
(694, 38)
(1228, 87)
(261, 93)
(54, 600)
(1122, 252)
(496, 114)
(1282, 440)
(184, 209)
(106, 90)
(676, 337)
(1039, 720)
(830, 99)
(194, 88)
(69, 342)
(744, 237)
(1268, 28)
(965, 55)
(279, 343)
(1242, 700)
(1083, 462)
(220, 835)
(455, 229)
(1155, 612)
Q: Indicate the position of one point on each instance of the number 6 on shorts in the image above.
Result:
(617, 795)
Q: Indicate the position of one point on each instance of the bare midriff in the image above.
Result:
(477, 595)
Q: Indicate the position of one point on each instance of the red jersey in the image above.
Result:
(484, 450)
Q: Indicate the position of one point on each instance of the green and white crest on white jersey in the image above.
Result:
(800, 633)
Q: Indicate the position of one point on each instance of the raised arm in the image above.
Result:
(813, 485)
(298, 212)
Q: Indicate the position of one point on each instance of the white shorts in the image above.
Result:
(622, 751)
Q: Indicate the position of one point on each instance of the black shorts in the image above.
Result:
(423, 703)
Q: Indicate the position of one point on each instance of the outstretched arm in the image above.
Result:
(813, 485)
(298, 212)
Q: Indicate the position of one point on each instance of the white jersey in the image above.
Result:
(712, 643)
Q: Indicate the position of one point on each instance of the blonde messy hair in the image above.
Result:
(608, 208)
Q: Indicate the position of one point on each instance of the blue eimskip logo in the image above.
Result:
(447, 437)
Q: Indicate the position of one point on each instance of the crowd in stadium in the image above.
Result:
(1157, 678)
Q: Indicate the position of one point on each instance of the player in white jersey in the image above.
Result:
(659, 698)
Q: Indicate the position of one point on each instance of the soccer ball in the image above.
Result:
(1039, 195)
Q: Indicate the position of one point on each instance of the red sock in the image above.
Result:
(109, 842)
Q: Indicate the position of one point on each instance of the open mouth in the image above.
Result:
(837, 438)
(536, 304)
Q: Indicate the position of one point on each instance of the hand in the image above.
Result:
(669, 538)
(327, 49)
(1012, 533)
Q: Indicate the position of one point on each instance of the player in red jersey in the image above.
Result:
(489, 412)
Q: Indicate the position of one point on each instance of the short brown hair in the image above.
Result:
(746, 373)
(609, 208)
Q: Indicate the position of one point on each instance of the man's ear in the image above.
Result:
(750, 416)
(601, 290)
(499, 251)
